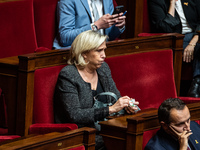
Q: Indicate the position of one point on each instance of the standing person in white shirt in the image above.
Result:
(76, 16)
(180, 16)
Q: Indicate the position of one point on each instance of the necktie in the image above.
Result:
(94, 9)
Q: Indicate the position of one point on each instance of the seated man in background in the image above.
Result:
(75, 17)
(169, 16)
(176, 132)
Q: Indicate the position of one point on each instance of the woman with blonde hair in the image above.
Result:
(86, 76)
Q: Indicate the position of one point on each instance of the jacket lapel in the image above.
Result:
(194, 141)
(103, 80)
(105, 6)
(185, 5)
(87, 8)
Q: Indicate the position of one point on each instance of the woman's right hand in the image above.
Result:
(120, 104)
(123, 102)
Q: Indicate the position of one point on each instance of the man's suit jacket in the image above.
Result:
(163, 141)
(162, 21)
(74, 17)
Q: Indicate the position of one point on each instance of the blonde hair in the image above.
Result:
(85, 42)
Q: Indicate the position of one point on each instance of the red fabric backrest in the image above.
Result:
(45, 22)
(146, 23)
(44, 84)
(147, 135)
(17, 28)
(148, 77)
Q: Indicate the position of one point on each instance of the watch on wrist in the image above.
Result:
(94, 27)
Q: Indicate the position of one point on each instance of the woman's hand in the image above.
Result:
(131, 109)
(123, 102)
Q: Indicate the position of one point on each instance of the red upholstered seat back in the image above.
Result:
(147, 135)
(45, 22)
(45, 81)
(146, 22)
(17, 28)
(148, 77)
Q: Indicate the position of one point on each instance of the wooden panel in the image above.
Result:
(54, 141)
(8, 84)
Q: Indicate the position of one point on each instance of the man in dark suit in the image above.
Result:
(176, 132)
(180, 16)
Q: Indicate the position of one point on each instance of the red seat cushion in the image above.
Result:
(78, 148)
(149, 34)
(9, 137)
(148, 77)
(43, 128)
(17, 28)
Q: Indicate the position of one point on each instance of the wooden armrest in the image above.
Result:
(52, 141)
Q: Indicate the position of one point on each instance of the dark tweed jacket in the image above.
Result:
(73, 100)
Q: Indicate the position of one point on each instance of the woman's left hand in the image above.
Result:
(132, 109)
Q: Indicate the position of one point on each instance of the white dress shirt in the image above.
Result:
(185, 26)
(99, 5)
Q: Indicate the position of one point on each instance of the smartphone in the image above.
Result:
(118, 9)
